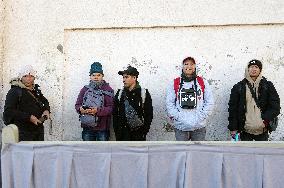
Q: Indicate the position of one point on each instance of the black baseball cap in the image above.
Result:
(129, 71)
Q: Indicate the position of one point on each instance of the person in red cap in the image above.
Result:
(189, 102)
(133, 112)
(254, 103)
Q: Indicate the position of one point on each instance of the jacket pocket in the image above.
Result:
(187, 119)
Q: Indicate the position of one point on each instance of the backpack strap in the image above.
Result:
(199, 80)
(201, 83)
(109, 93)
(253, 93)
(119, 94)
(86, 92)
(176, 85)
(143, 95)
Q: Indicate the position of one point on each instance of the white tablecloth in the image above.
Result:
(143, 165)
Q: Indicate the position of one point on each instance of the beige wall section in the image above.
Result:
(36, 29)
(1, 62)
(2, 26)
(157, 53)
(177, 12)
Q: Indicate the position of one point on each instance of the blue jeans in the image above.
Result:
(91, 135)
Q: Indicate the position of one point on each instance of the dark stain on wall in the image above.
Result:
(213, 82)
(60, 48)
(145, 64)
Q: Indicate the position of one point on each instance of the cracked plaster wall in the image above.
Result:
(63, 39)
(2, 24)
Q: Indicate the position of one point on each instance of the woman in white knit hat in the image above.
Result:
(25, 106)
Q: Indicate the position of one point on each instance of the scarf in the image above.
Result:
(188, 79)
(96, 84)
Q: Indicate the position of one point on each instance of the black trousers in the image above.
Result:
(31, 136)
(124, 134)
(250, 137)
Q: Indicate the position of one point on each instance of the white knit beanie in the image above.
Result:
(26, 70)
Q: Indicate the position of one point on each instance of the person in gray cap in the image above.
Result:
(254, 104)
(26, 107)
(133, 111)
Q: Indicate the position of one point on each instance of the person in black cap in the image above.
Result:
(254, 103)
(133, 111)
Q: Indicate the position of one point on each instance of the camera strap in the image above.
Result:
(253, 93)
(36, 99)
(181, 84)
(195, 85)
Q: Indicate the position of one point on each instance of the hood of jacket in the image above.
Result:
(254, 123)
(255, 83)
(17, 82)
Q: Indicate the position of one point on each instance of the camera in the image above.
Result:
(187, 98)
(43, 118)
(85, 107)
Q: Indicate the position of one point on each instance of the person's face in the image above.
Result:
(28, 80)
(129, 80)
(188, 68)
(254, 71)
(97, 77)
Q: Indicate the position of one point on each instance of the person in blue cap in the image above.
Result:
(95, 105)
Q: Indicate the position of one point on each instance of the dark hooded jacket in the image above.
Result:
(144, 111)
(21, 103)
(269, 103)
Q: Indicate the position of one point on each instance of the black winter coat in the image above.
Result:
(121, 128)
(20, 105)
(268, 99)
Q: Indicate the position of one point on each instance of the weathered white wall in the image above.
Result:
(1, 59)
(222, 36)
(157, 53)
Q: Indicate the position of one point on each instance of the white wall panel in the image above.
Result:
(222, 54)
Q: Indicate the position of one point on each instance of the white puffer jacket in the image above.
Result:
(190, 119)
